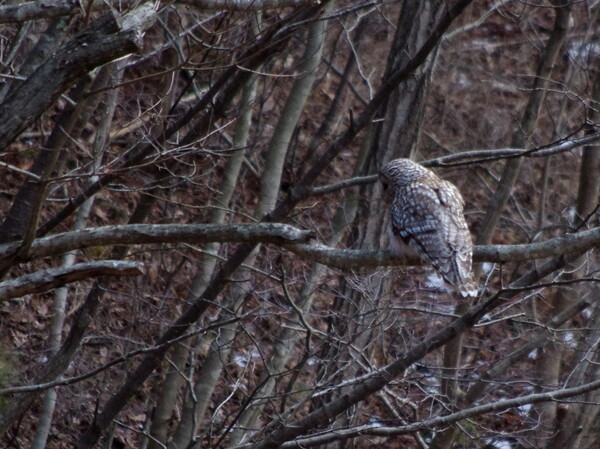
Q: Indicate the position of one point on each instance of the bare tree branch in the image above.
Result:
(37, 10)
(440, 421)
(481, 156)
(279, 434)
(45, 280)
(107, 38)
(468, 158)
(36, 387)
(148, 233)
(348, 258)
(293, 239)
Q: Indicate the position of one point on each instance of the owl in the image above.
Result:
(427, 215)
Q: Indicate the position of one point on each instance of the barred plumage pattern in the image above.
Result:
(427, 215)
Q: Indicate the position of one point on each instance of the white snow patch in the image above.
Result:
(579, 49)
(569, 339)
(463, 80)
(525, 409)
(434, 280)
(500, 444)
(487, 267)
(243, 359)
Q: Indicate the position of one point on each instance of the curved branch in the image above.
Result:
(42, 281)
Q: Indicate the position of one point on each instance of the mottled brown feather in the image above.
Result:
(427, 215)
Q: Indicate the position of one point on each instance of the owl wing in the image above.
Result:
(457, 234)
(428, 217)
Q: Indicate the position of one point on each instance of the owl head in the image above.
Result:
(401, 172)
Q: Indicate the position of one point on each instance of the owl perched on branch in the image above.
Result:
(427, 215)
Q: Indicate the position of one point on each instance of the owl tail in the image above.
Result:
(460, 277)
(467, 288)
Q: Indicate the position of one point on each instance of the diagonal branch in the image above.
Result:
(42, 281)
(279, 434)
(211, 107)
(105, 39)
(442, 421)
(468, 158)
(303, 188)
